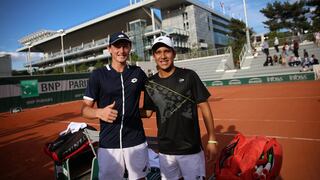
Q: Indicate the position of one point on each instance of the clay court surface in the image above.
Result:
(289, 112)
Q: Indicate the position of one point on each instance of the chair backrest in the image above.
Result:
(92, 136)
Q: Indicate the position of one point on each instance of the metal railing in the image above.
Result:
(76, 49)
(288, 39)
(243, 54)
(228, 65)
(202, 53)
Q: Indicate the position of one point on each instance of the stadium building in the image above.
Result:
(190, 23)
(5, 65)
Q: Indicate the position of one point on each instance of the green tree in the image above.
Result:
(299, 16)
(99, 64)
(70, 69)
(20, 73)
(238, 37)
(57, 71)
(82, 68)
(315, 14)
(284, 15)
(273, 16)
(134, 58)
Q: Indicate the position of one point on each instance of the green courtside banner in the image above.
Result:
(29, 88)
(263, 79)
(35, 91)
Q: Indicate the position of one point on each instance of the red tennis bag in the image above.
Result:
(249, 159)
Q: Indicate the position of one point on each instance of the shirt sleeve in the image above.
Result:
(92, 90)
(147, 101)
(199, 91)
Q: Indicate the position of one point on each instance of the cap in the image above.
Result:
(118, 36)
(162, 40)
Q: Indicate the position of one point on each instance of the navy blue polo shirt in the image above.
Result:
(107, 85)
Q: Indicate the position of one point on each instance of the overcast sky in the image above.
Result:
(19, 18)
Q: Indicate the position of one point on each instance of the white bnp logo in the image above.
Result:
(134, 80)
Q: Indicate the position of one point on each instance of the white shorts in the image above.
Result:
(190, 167)
(112, 162)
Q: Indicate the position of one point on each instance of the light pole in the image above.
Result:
(61, 31)
(247, 27)
(29, 57)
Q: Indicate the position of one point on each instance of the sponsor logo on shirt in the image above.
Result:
(134, 80)
(181, 80)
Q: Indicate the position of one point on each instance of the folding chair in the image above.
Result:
(93, 137)
(73, 169)
(62, 170)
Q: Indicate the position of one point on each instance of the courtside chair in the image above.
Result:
(68, 170)
(93, 137)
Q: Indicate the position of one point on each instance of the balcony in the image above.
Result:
(73, 51)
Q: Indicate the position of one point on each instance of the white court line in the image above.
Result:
(151, 129)
(252, 120)
(266, 98)
(277, 137)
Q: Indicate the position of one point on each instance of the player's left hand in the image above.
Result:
(211, 152)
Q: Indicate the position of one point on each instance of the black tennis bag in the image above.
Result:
(67, 145)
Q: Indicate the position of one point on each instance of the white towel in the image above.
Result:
(74, 127)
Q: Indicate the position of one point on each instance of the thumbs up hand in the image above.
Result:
(108, 113)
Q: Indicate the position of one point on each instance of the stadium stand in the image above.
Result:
(208, 68)
(216, 68)
(254, 66)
